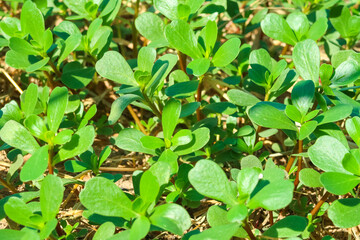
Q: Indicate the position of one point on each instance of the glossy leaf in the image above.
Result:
(210, 180)
(277, 28)
(226, 53)
(345, 213)
(171, 217)
(306, 57)
(102, 196)
(14, 134)
(113, 66)
(291, 226)
(170, 117)
(268, 116)
(56, 107)
(36, 165)
(339, 183)
(51, 196)
(327, 154)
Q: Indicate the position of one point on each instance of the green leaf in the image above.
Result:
(17, 235)
(327, 154)
(63, 137)
(170, 117)
(32, 22)
(200, 138)
(180, 36)
(334, 114)
(19, 212)
(170, 158)
(36, 165)
(56, 107)
(36, 126)
(293, 113)
(71, 43)
(152, 142)
(198, 67)
(151, 27)
(119, 106)
(105, 231)
(226, 53)
(75, 76)
(299, 23)
(242, 98)
(211, 181)
(113, 66)
(22, 46)
(277, 28)
(29, 99)
(306, 129)
(310, 178)
(17, 60)
(37, 65)
(237, 213)
(291, 226)
(140, 228)
(167, 7)
(182, 137)
(318, 29)
(343, 21)
(210, 35)
(345, 213)
(302, 95)
(146, 59)
(171, 217)
(129, 139)
(103, 197)
(149, 187)
(306, 57)
(268, 116)
(339, 183)
(347, 72)
(48, 228)
(351, 162)
(182, 89)
(353, 129)
(272, 196)
(247, 180)
(79, 143)
(51, 196)
(224, 232)
(15, 135)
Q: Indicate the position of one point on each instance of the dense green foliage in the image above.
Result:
(246, 110)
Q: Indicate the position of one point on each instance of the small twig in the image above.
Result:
(57, 72)
(12, 81)
(320, 203)
(8, 186)
(137, 120)
(248, 230)
(114, 169)
(292, 158)
(300, 150)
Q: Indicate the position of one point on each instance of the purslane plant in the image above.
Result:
(228, 137)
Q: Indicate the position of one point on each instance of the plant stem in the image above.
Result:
(271, 218)
(267, 95)
(300, 150)
(283, 52)
(292, 158)
(136, 119)
(182, 61)
(52, 65)
(51, 155)
(152, 106)
(134, 31)
(320, 203)
(248, 230)
(198, 98)
(8, 186)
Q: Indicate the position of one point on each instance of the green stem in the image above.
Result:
(152, 106)
(198, 97)
(51, 155)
